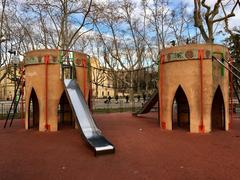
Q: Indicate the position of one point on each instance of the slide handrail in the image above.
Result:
(219, 61)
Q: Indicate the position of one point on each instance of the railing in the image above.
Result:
(4, 109)
(102, 105)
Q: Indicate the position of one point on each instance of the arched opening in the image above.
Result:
(180, 110)
(218, 111)
(33, 111)
(65, 115)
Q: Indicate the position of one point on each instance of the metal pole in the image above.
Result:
(214, 58)
(232, 66)
(15, 76)
(46, 59)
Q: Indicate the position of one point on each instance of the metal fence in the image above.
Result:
(99, 106)
(5, 107)
(103, 105)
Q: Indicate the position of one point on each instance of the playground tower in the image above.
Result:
(47, 106)
(194, 88)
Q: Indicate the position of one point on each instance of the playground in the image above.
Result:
(143, 151)
(57, 87)
(119, 90)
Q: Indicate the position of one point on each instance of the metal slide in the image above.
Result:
(91, 133)
(148, 105)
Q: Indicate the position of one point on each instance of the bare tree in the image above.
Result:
(126, 33)
(206, 17)
(57, 24)
(106, 21)
(5, 43)
(181, 23)
(160, 21)
(28, 25)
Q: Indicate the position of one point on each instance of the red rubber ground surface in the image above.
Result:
(143, 151)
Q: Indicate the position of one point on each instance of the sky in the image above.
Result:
(233, 21)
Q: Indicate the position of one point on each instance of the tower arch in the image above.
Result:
(180, 110)
(64, 111)
(33, 110)
(218, 111)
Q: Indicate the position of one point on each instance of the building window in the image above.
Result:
(102, 93)
(108, 93)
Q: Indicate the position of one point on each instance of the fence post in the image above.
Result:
(121, 105)
(133, 105)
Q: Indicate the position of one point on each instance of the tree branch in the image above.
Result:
(82, 24)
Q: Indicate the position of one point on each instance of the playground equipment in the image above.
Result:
(148, 105)
(85, 121)
(18, 96)
(234, 79)
(194, 89)
(57, 85)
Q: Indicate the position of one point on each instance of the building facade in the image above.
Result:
(6, 85)
(102, 84)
